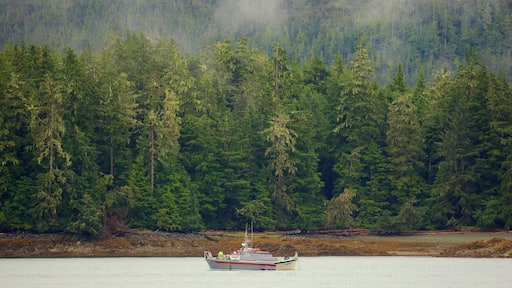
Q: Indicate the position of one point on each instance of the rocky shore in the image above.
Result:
(160, 244)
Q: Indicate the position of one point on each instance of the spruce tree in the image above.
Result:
(361, 164)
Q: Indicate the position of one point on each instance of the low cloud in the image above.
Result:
(250, 13)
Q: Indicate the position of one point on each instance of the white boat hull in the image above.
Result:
(237, 264)
(288, 264)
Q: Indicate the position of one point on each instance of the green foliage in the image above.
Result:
(341, 210)
(282, 143)
(405, 151)
(257, 212)
(140, 134)
(423, 35)
(88, 220)
(360, 162)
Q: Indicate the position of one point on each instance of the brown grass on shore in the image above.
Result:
(148, 243)
(492, 248)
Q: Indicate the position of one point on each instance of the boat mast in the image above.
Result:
(248, 242)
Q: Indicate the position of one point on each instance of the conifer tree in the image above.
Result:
(405, 153)
(310, 120)
(360, 164)
(460, 146)
(282, 141)
(116, 109)
(13, 123)
(47, 129)
(281, 166)
(497, 202)
(82, 206)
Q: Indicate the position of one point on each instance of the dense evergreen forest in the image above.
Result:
(424, 35)
(157, 131)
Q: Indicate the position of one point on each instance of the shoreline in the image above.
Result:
(144, 243)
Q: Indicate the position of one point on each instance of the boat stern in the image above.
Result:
(288, 263)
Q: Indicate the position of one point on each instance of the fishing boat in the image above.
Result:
(250, 258)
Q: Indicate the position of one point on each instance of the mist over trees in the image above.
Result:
(425, 36)
(354, 122)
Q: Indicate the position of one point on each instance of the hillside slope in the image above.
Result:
(424, 35)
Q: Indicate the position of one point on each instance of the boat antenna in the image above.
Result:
(247, 240)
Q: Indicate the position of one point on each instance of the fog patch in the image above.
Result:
(250, 14)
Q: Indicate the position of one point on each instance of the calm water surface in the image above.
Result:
(313, 272)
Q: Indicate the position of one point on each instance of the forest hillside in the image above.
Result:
(303, 115)
(424, 35)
